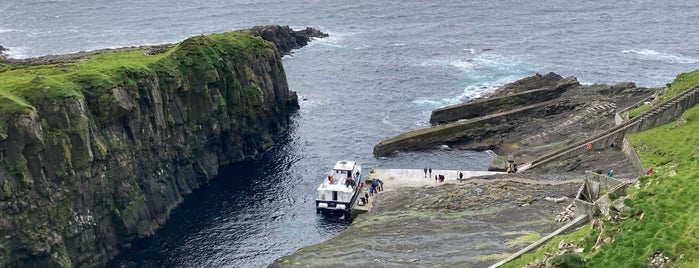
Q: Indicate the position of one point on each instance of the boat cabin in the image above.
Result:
(340, 187)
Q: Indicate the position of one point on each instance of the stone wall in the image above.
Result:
(661, 114)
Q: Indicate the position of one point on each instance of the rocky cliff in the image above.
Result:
(97, 149)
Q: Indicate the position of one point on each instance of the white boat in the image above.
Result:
(340, 187)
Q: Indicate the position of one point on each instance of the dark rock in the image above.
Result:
(533, 82)
(86, 175)
(284, 37)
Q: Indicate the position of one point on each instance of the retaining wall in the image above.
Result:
(614, 137)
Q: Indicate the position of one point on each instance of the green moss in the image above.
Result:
(526, 238)
(170, 120)
(24, 87)
(99, 149)
(6, 189)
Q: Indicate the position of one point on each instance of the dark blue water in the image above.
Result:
(385, 66)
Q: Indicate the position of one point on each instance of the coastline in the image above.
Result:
(479, 221)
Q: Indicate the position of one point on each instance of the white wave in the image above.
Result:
(483, 72)
(18, 52)
(334, 40)
(7, 30)
(480, 65)
(386, 120)
(650, 54)
(362, 47)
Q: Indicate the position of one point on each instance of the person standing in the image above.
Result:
(425, 172)
(461, 175)
(430, 170)
(371, 190)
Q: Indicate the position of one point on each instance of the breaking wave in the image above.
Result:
(650, 54)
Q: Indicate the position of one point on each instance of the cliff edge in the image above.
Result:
(98, 147)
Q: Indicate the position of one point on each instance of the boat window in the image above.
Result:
(335, 195)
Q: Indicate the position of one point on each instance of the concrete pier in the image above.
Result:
(396, 178)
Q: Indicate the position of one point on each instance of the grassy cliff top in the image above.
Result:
(23, 86)
(662, 211)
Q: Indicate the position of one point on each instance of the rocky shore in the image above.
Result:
(476, 222)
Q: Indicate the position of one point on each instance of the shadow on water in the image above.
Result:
(249, 215)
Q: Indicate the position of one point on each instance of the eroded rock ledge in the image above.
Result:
(99, 159)
(527, 118)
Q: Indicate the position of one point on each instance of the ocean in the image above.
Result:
(383, 69)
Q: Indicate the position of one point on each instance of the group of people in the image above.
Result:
(439, 177)
(511, 168)
(350, 182)
(375, 187)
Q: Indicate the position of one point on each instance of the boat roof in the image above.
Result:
(344, 165)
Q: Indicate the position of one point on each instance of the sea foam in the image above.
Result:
(650, 54)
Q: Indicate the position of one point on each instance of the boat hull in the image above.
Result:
(337, 205)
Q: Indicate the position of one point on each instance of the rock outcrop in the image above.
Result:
(284, 38)
(96, 153)
(522, 118)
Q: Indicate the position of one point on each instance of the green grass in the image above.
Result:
(663, 211)
(681, 83)
(22, 88)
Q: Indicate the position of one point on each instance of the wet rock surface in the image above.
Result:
(472, 223)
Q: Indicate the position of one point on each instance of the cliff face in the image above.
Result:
(97, 153)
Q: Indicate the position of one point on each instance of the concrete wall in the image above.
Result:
(631, 154)
(606, 183)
